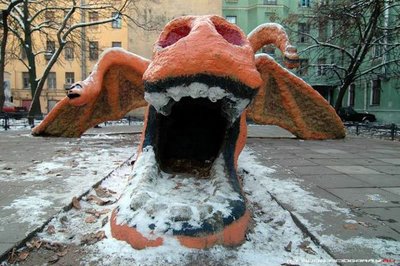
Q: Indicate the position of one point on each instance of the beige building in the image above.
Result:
(75, 64)
(141, 41)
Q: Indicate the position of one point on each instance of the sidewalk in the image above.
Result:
(344, 194)
(360, 176)
(40, 176)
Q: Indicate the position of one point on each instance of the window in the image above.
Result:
(324, 2)
(270, 2)
(303, 68)
(51, 104)
(321, 67)
(116, 44)
(69, 78)
(352, 95)
(52, 81)
(231, 19)
(378, 50)
(117, 22)
(93, 50)
(304, 29)
(69, 51)
(376, 92)
(49, 15)
(50, 50)
(304, 3)
(322, 34)
(93, 16)
(25, 80)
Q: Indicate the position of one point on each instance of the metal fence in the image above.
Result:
(383, 131)
(388, 131)
(8, 122)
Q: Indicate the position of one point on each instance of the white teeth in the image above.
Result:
(160, 100)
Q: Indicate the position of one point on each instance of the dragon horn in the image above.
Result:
(273, 33)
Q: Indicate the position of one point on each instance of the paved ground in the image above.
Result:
(360, 176)
(33, 170)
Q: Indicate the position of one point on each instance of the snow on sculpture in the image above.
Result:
(203, 79)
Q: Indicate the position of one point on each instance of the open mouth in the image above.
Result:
(190, 138)
(185, 180)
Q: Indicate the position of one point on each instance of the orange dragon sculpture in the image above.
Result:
(203, 81)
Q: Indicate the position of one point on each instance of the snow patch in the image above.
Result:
(169, 201)
(272, 230)
(288, 191)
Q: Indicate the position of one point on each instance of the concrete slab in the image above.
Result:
(257, 131)
(329, 151)
(293, 162)
(352, 169)
(392, 170)
(367, 197)
(391, 161)
(391, 150)
(389, 216)
(394, 190)
(334, 181)
(313, 170)
(381, 180)
(347, 161)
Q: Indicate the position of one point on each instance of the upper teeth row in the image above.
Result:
(160, 100)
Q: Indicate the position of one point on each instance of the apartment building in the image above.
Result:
(378, 93)
(76, 61)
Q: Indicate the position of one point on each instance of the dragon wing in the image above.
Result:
(284, 99)
(287, 101)
(114, 88)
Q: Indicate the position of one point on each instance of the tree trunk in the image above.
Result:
(4, 16)
(35, 109)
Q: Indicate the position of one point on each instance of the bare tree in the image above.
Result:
(34, 22)
(363, 37)
(4, 20)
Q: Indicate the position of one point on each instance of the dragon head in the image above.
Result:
(202, 78)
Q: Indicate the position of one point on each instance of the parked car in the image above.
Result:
(12, 111)
(349, 114)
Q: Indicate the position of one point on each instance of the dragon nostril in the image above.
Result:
(175, 35)
(230, 34)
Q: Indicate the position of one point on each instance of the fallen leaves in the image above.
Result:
(104, 192)
(97, 213)
(35, 244)
(23, 255)
(305, 246)
(288, 248)
(51, 230)
(98, 201)
(75, 203)
(92, 238)
(90, 219)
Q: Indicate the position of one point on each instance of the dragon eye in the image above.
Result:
(230, 34)
(175, 35)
